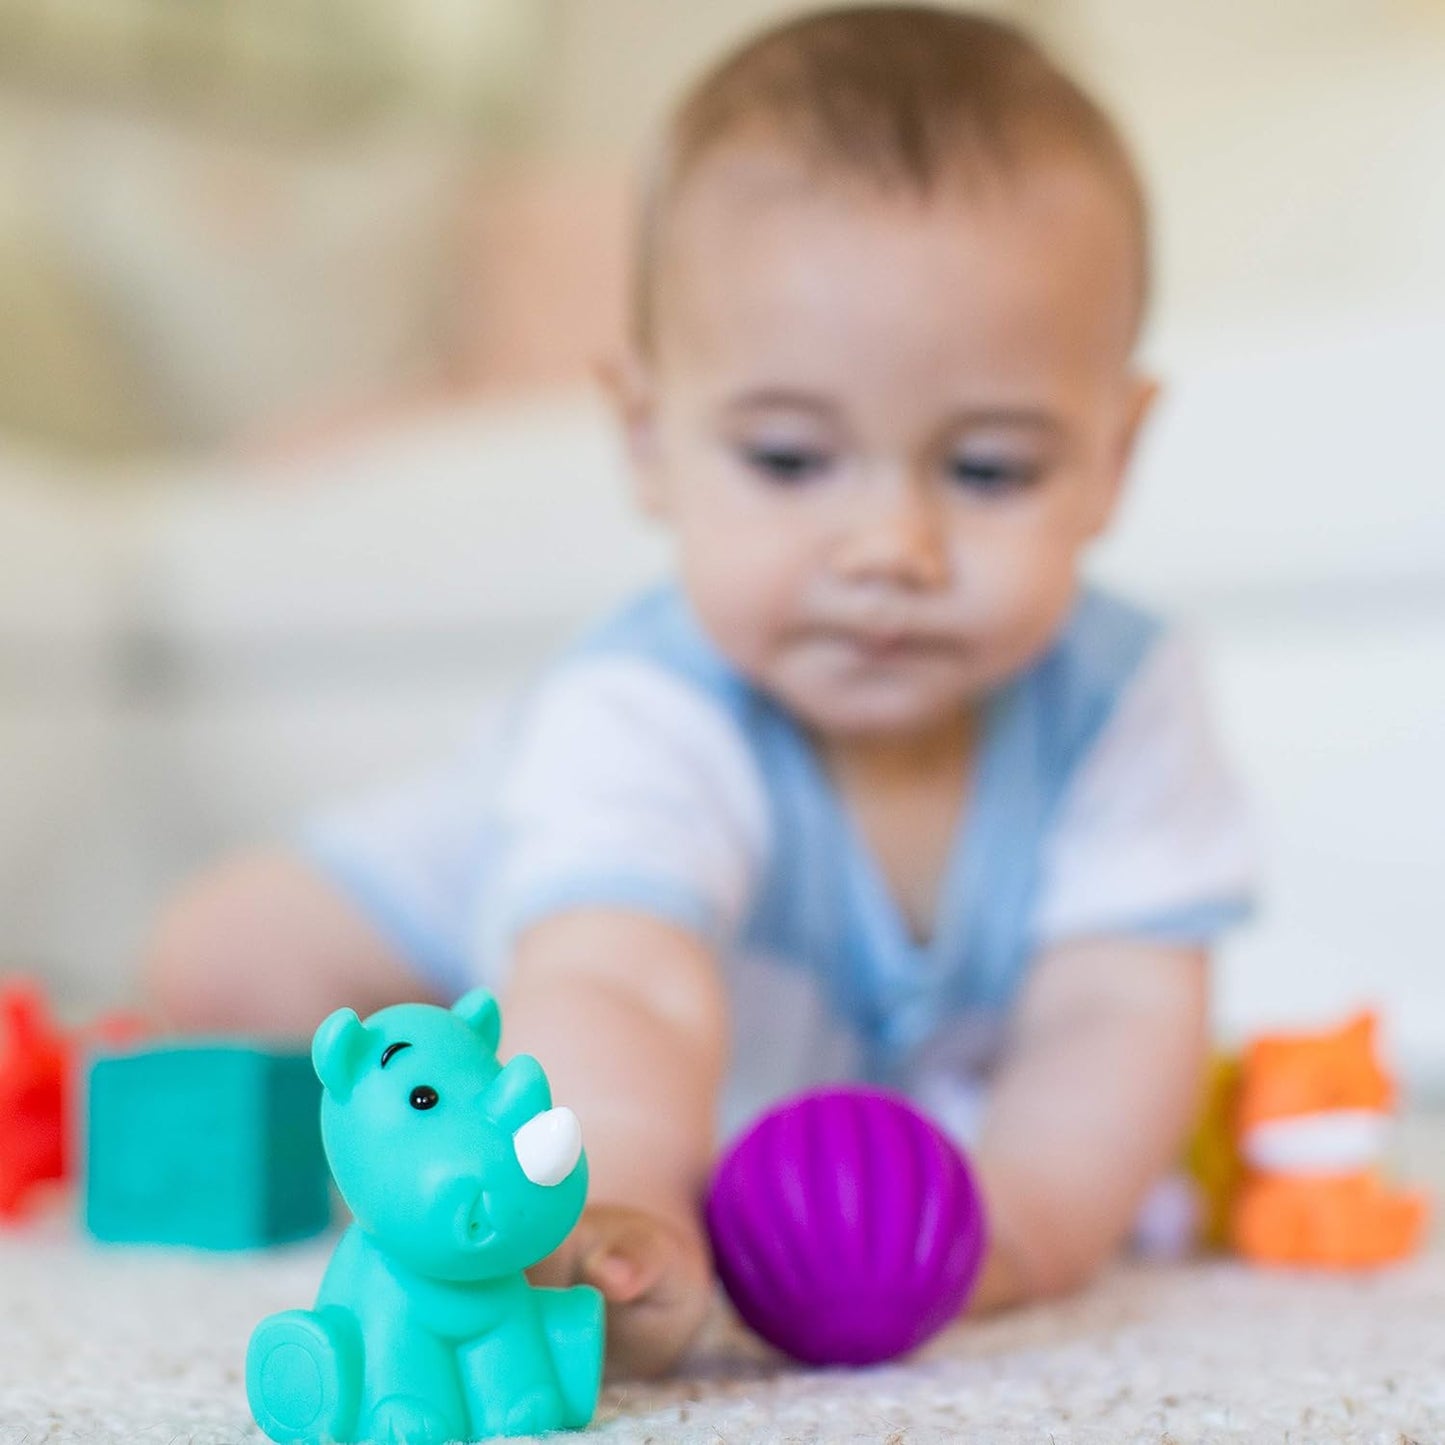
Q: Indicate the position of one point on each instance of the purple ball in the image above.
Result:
(846, 1227)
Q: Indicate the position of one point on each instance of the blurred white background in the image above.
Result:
(301, 474)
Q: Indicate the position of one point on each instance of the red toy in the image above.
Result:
(37, 1090)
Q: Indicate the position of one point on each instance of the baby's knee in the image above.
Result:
(235, 950)
(265, 945)
(201, 959)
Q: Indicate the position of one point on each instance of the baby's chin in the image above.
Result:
(882, 708)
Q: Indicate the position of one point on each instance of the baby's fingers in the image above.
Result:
(653, 1275)
(619, 1251)
(625, 1257)
(561, 1267)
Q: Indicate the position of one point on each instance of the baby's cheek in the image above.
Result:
(734, 614)
(740, 593)
(995, 575)
(1023, 592)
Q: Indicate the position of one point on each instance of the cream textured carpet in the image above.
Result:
(110, 1347)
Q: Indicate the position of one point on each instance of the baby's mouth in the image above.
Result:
(889, 644)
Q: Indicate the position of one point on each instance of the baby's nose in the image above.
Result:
(901, 542)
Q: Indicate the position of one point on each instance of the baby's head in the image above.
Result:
(891, 272)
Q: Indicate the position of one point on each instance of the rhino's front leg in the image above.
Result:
(509, 1377)
(408, 1420)
(575, 1328)
(413, 1390)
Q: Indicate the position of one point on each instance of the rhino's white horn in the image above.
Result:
(549, 1146)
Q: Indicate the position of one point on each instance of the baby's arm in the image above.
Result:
(630, 1016)
(265, 944)
(1090, 1105)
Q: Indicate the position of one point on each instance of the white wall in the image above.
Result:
(1291, 501)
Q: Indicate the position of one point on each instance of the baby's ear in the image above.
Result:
(627, 380)
(1141, 394)
(478, 1009)
(338, 1051)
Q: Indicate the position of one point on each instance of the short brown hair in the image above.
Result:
(899, 94)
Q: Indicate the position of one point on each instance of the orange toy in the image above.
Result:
(1311, 1114)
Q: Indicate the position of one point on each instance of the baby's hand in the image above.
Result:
(654, 1274)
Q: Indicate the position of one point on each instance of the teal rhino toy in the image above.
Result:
(460, 1174)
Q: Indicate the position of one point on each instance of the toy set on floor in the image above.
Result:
(845, 1226)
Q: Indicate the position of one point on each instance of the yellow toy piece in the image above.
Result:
(1212, 1159)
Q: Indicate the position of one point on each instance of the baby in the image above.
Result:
(877, 788)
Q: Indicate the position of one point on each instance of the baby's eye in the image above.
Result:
(786, 463)
(424, 1097)
(992, 476)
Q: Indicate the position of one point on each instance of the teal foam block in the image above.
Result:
(217, 1146)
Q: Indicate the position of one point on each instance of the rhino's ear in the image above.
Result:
(338, 1052)
(479, 1009)
(518, 1093)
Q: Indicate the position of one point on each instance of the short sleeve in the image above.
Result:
(1152, 836)
(632, 788)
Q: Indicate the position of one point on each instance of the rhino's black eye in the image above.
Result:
(423, 1097)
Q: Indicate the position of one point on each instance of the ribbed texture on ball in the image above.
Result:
(845, 1226)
